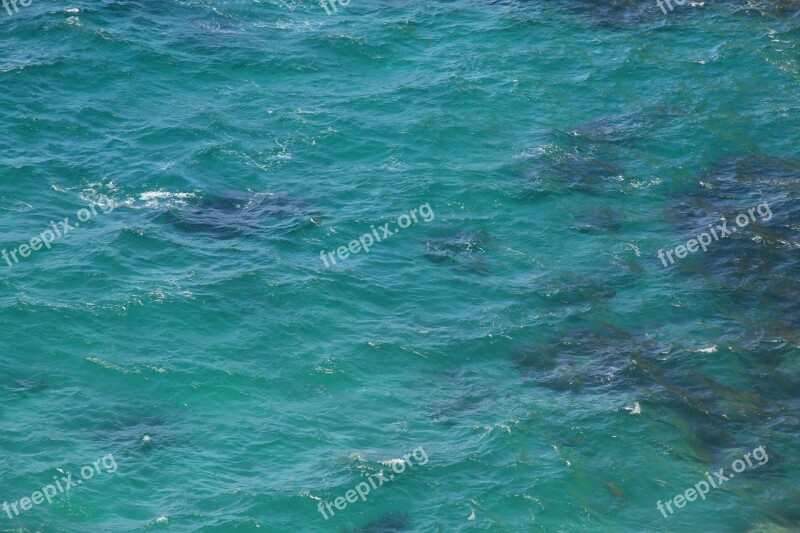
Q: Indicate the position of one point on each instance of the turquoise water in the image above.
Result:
(526, 336)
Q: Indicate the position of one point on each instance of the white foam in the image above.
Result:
(712, 349)
(156, 195)
(635, 410)
(159, 199)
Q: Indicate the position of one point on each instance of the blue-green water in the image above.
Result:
(527, 338)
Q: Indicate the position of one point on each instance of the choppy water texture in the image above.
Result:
(558, 377)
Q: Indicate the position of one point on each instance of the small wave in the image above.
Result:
(14, 205)
(111, 366)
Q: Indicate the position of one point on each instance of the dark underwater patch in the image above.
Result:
(24, 387)
(713, 416)
(139, 434)
(234, 215)
(563, 170)
(571, 288)
(730, 185)
(613, 14)
(577, 362)
(757, 265)
(617, 13)
(394, 522)
(630, 14)
(467, 399)
(610, 129)
(462, 249)
(584, 158)
(598, 219)
(591, 157)
(785, 9)
(451, 412)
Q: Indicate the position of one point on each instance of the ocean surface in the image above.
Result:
(178, 176)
